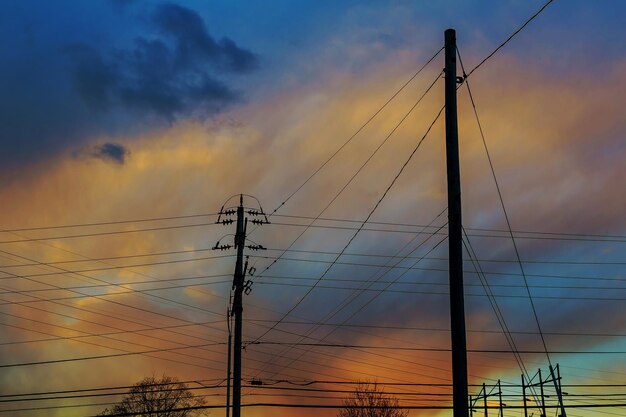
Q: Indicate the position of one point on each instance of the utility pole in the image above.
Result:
(485, 400)
(557, 386)
(524, 395)
(543, 397)
(501, 413)
(228, 373)
(240, 286)
(238, 283)
(457, 304)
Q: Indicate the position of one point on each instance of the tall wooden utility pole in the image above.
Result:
(457, 304)
(240, 287)
(238, 284)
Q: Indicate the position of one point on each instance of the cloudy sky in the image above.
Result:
(130, 123)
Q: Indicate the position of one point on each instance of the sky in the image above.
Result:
(125, 125)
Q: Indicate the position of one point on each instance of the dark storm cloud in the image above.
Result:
(61, 88)
(169, 76)
(113, 152)
(195, 46)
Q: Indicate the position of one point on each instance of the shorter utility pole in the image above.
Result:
(543, 397)
(543, 384)
(485, 395)
(240, 239)
(228, 373)
(524, 396)
(240, 286)
(501, 413)
(557, 386)
(485, 406)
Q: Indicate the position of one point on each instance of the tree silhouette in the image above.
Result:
(165, 397)
(369, 400)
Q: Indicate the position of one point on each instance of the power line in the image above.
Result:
(113, 355)
(141, 292)
(301, 299)
(367, 122)
(130, 290)
(445, 270)
(175, 361)
(269, 383)
(109, 258)
(106, 223)
(92, 335)
(422, 283)
(358, 171)
(343, 358)
(507, 40)
(347, 301)
(109, 268)
(497, 311)
(573, 238)
(619, 238)
(74, 394)
(477, 229)
(98, 296)
(382, 255)
(435, 329)
(370, 255)
(343, 406)
(89, 335)
(272, 277)
(546, 297)
(425, 349)
(307, 406)
(106, 315)
(116, 232)
(495, 179)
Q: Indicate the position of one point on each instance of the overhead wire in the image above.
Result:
(108, 233)
(497, 311)
(358, 171)
(592, 236)
(507, 40)
(358, 291)
(367, 122)
(301, 299)
(547, 236)
(495, 179)
(477, 229)
(362, 224)
(425, 349)
(105, 223)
